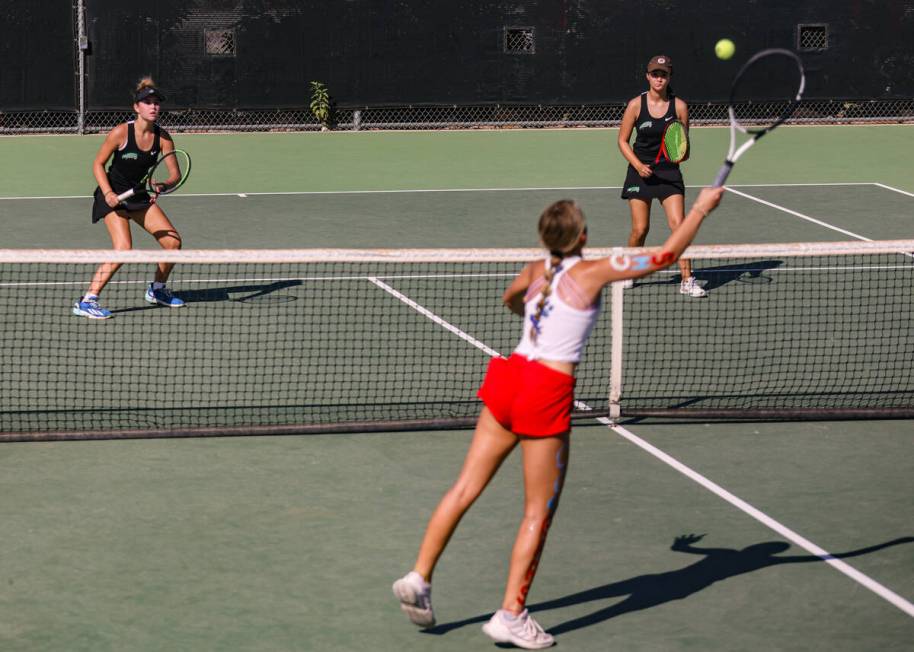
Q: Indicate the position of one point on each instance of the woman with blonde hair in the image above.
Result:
(528, 400)
(133, 147)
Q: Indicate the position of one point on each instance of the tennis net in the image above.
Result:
(296, 341)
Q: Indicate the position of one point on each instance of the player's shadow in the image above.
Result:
(646, 591)
(267, 293)
(712, 278)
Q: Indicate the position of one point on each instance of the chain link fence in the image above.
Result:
(480, 116)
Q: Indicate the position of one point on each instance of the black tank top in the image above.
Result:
(649, 133)
(131, 164)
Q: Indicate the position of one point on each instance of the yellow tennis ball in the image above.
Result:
(724, 48)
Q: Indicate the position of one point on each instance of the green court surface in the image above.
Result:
(291, 543)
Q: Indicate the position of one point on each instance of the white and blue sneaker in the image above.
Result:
(88, 307)
(691, 288)
(415, 596)
(162, 296)
(520, 630)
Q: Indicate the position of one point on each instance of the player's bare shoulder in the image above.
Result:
(119, 133)
(168, 144)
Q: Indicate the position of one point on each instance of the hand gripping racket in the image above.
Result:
(675, 143)
(167, 175)
(766, 92)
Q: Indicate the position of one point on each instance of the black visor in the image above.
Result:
(149, 91)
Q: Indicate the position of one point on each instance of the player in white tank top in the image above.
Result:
(559, 301)
(562, 330)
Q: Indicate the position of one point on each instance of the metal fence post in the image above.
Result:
(82, 45)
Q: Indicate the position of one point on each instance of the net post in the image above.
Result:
(615, 356)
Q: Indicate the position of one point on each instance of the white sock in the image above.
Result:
(90, 297)
(157, 286)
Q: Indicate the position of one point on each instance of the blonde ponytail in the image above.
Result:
(145, 82)
(560, 227)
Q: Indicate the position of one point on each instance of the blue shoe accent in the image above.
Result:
(163, 297)
(90, 309)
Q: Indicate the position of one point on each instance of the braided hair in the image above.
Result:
(560, 227)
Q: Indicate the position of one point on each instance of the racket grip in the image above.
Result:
(126, 195)
(722, 174)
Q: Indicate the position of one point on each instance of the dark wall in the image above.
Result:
(371, 52)
(37, 55)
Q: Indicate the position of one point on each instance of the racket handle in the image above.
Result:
(126, 195)
(722, 174)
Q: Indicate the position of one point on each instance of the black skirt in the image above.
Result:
(665, 182)
(100, 208)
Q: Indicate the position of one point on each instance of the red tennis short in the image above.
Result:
(528, 398)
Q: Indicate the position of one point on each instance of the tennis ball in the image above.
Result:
(724, 48)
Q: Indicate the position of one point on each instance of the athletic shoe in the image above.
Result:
(521, 630)
(90, 309)
(628, 284)
(691, 288)
(415, 596)
(163, 297)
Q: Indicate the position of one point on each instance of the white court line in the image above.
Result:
(280, 279)
(842, 567)
(797, 214)
(903, 192)
(445, 190)
(435, 318)
(52, 197)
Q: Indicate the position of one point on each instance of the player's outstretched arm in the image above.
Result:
(624, 266)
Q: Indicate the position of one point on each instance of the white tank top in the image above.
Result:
(562, 330)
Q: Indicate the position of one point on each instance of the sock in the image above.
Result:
(507, 615)
(90, 297)
(157, 286)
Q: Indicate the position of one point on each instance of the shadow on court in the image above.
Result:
(646, 591)
(266, 293)
(717, 277)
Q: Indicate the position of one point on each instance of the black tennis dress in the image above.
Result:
(667, 179)
(128, 167)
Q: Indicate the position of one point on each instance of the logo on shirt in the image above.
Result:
(646, 125)
(669, 118)
(129, 156)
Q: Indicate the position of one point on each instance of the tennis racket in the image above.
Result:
(167, 175)
(766, 92)
(675, 143)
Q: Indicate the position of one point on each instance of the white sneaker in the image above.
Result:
(521, 630)
(415, 596)
(691, 288)
(628, 284)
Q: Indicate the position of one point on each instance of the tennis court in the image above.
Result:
(671, 535)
